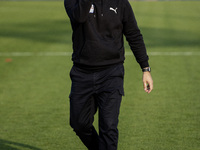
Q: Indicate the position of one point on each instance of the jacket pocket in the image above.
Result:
(97, 51)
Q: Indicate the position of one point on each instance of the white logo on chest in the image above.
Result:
(115, 10)
(91, 9)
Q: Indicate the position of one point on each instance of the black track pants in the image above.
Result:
(91, 90)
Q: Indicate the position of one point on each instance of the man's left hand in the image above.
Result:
(147, 82)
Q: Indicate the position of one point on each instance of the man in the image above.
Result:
(98, 72)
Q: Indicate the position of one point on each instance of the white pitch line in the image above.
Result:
(25, 54)
(169, 53)
(174, 53)
(18, 54)
(54, 54)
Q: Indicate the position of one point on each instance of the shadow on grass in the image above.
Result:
(155, 37)
(8, 145)
(49, 31)
(59, 31)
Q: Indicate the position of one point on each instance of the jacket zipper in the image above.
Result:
(102, 8)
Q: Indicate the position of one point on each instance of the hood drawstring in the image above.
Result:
(102, 8)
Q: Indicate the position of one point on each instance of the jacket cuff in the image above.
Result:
(144, 64)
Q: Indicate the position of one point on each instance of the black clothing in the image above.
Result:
(102, 89)
(97, 75)
(98, 28)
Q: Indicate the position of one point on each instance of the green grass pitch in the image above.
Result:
(34, 89)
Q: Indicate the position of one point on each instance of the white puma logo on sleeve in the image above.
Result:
(115, 10)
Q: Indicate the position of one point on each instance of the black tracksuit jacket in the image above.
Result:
(98, 29)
